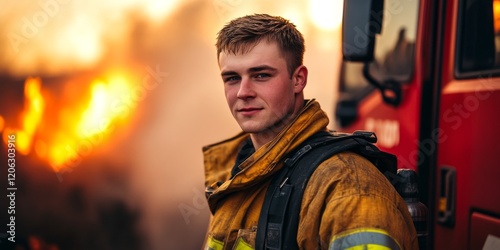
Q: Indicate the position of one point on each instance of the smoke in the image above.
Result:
(60, 36)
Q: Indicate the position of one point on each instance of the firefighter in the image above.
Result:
(347, 202)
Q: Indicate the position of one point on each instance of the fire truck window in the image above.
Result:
(394, 49)
(478, 38)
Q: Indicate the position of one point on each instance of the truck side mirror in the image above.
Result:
(362, 19)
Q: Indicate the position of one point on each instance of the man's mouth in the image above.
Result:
(249, 110)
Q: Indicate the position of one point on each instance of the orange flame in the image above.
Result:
(32, 115)
(92, 125)
(2, 123)
(79, 130)
(496, 15)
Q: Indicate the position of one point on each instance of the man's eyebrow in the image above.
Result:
(228, 73)
(251, 70)
(261, 68)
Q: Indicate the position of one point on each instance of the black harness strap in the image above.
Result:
(278, 221)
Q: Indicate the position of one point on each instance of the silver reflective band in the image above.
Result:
(363, 238)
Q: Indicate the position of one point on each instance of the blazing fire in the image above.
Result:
(496, 15)
(32, 115)
(2, 123)
(80, 126)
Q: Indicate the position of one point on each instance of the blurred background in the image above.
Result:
(111, 102)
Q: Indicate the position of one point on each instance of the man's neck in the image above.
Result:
(259, 139)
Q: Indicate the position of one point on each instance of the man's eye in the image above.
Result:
(262, 76)
(231, 79)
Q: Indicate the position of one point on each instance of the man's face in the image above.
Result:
(259, 90)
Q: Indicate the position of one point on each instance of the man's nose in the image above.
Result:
(246, 89)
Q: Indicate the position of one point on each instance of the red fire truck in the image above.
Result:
(425, 76)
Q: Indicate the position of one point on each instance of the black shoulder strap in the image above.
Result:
(279, 217)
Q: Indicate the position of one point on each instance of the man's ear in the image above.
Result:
(299, 78)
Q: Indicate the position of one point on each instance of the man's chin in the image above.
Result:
(250, 128)
(259, 128)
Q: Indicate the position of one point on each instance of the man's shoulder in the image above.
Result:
(346, 164)
(346, 161)
(351, 173)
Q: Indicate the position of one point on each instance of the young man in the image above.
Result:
(347, 201)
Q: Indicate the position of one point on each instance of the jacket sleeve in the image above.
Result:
(348, 203)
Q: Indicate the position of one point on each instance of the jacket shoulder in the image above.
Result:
(352, 172)
(347, 192)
